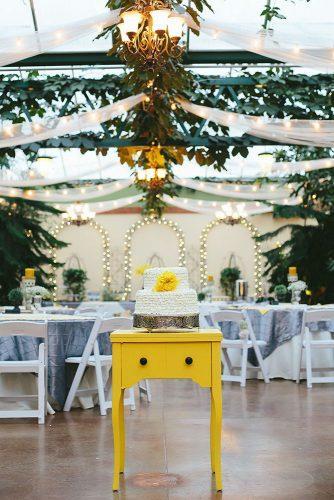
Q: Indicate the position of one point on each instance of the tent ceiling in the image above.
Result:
(24, 15)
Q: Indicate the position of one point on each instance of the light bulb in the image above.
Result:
(131, 20)
(160, 20)
(175, 28)
(124, 35)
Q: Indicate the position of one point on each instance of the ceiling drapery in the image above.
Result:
(67, 195)
(302, 132)
(293, 50)
(234, 190)
(13, 135)
(21, 46)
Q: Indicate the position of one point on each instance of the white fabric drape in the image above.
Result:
(303, 132)
(105, 206)
(28, 132)
(241, 191)
(292, 49)
(215, 208)
(58, 180)
(67, 195)
(285, 168)
(21, 46)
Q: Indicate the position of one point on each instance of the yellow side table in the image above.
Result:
(137, 355)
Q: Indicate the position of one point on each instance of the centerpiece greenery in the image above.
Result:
(74, 283)
(15, 298)
(228, 277)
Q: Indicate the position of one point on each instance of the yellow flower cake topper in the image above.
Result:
(166, 282)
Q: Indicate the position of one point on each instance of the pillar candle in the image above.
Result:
(29, 273)
(293, 271)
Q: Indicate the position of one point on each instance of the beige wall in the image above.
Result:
(160, 242)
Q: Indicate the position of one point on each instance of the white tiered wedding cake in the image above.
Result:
(166, 300)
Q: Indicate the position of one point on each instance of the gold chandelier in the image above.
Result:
(152, 31)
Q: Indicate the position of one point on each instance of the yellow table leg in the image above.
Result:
(117, 397)
(122, 431)
(212, 435)
(217, 408)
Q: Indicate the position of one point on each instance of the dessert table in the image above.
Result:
(280, 326)
(67, 336)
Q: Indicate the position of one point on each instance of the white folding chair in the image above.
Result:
(308, 343)
(87, 311)
(246, 342)
(38, 366)
(96, 360)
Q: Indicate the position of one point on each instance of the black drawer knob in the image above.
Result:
(189, 360)
(143, 361)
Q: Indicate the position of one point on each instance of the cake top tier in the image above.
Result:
(151, 276)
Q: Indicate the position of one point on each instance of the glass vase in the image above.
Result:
(37, 302)
(295, 297)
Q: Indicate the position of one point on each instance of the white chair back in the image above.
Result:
(315, 315)
(228, 315)
(87, 311)
(114, 323)
(26, 328)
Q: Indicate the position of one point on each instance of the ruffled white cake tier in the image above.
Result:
(178, 303)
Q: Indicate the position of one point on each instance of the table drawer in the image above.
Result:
(189, 360)
(142, 360)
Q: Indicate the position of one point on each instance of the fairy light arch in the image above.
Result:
(106, 279)
(257, 251)
(128, 243)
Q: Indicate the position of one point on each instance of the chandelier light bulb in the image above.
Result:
(161, 173)
(124, 36)
(131, 21)
(160, 20)
(175, 28)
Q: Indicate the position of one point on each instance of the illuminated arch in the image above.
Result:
(128, 243)
(105, 246)
(257, 252)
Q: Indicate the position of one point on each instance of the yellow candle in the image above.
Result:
(292, 271)
(29, 273)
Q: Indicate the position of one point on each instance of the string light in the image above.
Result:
(106, 254)
(257, 251)
(128, 242)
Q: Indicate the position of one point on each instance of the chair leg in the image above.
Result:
(261, 362)
(227, 361)
(308, 363)
(75, 385)
(132, 399)
(299, 362)
(41, 385)
(49, 409)
(99, 380)
(148, 391)
(243, 374)
(145, 390)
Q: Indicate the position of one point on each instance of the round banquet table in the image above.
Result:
(280, 327)
(67, 336)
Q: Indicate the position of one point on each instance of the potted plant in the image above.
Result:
(228, 277)
(281, 292)
(15, 298)
(74, 283)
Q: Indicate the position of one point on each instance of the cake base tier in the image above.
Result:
(162, 322)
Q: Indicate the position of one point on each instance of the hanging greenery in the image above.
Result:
(310, 246)
(278, 92)
(24, 242)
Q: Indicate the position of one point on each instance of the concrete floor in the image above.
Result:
(278, 443)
